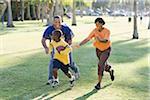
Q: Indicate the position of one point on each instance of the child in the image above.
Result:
(61, 57)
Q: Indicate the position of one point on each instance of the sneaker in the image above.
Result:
(77, 76)
(98, 87)
(55, 83)
(72, 82)
(112, 75)
(49, 82)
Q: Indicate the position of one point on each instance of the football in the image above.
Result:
(60, 48)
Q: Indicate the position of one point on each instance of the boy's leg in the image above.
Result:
(55, 73)
(65, 69)
(56, 66)
(55, 80)
(74, 67)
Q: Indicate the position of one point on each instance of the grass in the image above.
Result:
(23, 64)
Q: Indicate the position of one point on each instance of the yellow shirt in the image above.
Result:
(63, 56)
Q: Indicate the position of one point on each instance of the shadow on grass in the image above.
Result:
(87, 95)
(25, 78)
(124, 50)
(47, 97)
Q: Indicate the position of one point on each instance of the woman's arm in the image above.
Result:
(84, 41)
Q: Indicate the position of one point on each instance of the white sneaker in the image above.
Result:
(49, 82)
(55, 83)
(72, 81)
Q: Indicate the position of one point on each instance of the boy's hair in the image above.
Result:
(57, 32)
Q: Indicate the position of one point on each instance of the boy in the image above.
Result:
(61, 57)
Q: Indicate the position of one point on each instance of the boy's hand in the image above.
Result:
(75, 46)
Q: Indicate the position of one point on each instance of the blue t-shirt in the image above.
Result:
(67, 32)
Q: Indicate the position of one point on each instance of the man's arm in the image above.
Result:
(68, 34)
(43, 41)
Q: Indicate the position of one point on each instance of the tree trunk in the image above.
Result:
(16, 11)
(9, 20)
(34, 14)
(73, 14)
(135, 33)
(50, 13)
(28, 11)
(22, 9)
(149, 23)
(81, 9)
(56, 8)
(61, 9)
(38, 10)
(42, 13)
(3, 7)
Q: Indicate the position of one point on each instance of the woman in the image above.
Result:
(103, 48)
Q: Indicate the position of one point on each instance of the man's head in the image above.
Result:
(56, 34)
(57, 22)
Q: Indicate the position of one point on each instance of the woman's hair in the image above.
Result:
(100, 20)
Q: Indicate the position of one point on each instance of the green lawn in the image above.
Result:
(24, 65)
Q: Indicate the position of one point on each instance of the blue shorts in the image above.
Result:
(59, 65)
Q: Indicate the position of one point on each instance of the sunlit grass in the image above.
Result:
(23, 64)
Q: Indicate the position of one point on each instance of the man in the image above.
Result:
(68, 35)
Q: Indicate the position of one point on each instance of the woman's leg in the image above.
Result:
(102, 56)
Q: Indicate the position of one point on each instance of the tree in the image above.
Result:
(22, 9)
(28, 11)
(56, 7)
(50, 11)
(33, 11)
(73, 14)
(38, 9)
(9, 14)
(135, 33)
(43, 10)
(149, 23)
(3, 7)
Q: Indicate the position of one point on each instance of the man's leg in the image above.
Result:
(50, 69)
(74, 67)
